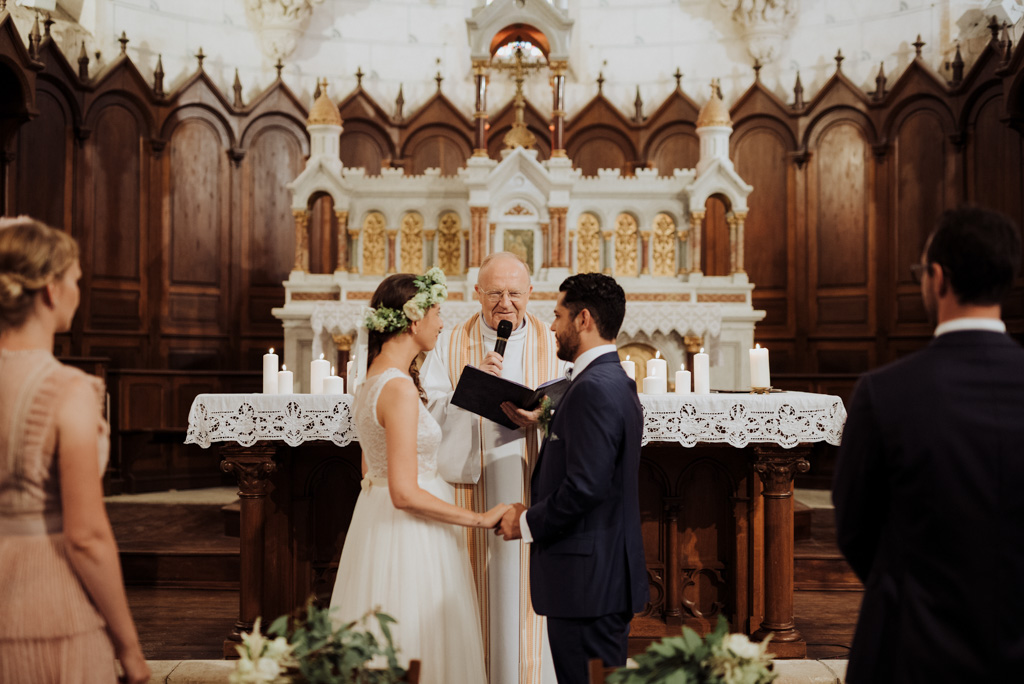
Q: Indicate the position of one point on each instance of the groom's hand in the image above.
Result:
(520, 417)
(509, 529)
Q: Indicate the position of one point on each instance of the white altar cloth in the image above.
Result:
(782, 418)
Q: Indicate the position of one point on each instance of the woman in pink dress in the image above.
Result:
(65, 615)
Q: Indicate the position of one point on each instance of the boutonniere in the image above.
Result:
(547, 413)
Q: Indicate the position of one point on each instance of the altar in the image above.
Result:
(715, 490)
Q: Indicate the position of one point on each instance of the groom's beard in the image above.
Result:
(568, 344)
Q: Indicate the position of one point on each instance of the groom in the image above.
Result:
(587, 568)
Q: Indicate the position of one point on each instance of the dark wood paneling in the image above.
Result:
(195, 199)
(275, 159)
(438, 148)
(600, 148)
(920, 186)
(115, 309)
(844, 190)
(838, 310)
(714, 241)
(360, 148)
(115, 187)
(760, 159)
(996, 156)
(42, 162)
(678, 148)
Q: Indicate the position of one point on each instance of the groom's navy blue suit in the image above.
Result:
(587, 568)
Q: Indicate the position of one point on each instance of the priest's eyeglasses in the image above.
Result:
(495, 296)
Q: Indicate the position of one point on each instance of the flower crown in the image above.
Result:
(432, 288)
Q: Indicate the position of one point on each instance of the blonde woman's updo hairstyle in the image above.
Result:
(32, 255)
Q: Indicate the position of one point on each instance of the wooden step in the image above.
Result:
(802, 515)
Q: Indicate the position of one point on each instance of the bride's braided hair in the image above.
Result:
(32, 255)
(392, 293)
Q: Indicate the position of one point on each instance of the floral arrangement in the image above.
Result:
(432, 288)
(306, 647)
(546, 415)
(718, 658)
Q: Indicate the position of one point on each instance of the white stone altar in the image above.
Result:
(644, 229)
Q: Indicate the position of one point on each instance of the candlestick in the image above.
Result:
(760, 376)
(629, 367)
(682, 382)
(285, 381)
(655, 385)
(701, 373)
(318, 370)
(270, 372)
(657, 367)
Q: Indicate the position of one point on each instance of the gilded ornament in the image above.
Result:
(588, 245)
(412, 243)
(625, 247)
(663, 246)
(374, 245)
(449, 244)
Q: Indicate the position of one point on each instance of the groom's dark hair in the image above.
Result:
(601, 296)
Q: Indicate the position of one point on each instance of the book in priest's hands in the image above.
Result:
(483, 393)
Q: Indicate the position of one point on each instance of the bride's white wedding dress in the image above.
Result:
(414, 569)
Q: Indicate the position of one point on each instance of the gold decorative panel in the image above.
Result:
(375, 259)
(449, 244)
(588, 244)
(411, 238)
(663, 246)
(625, 247)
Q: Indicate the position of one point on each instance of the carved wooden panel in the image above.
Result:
(995, 156)
(195, 229)
(588, 244)
(449, 243)
(841, 223)
(760, 159)
(438, 150)
(663, 246)
(42, 162)
(115, 195)
(602, 148)
(676, 150)
(374, 244)
(362, 149)
(274, 160)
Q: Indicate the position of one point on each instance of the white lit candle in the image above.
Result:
(760, 376)
(682, 382)
(270, 372)
(318, 370)
(701, 373)
(654, 384)
(333, 384)
(657, 368)
(285, 381)
(629, 367)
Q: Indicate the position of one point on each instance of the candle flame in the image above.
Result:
(757, 346)
(271, 350)
(321, 356)
(657, 354)
(627, 357)
(284, 367)
(332, 370)
(682, 366)
(702, 350)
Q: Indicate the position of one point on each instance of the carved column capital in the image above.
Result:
(252, 467)
(342, 342)
(777, 468)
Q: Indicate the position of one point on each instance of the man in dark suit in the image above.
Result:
(587, 568)
(929, 508)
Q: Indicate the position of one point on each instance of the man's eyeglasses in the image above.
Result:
(918, 270)
(495, 296)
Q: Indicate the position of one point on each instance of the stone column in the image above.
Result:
(609, 251)
(480, 68)
(301, 240)
(491, 230)
(673, 593)
(741, 217)
(342, 265)
(777, 467)
(430, 236)
(572, 243)
(682, 234)
(477, 235)
(696, 220)
(645, 253)
(343, 343)
(558, 108)
(353, 236)
(558, 215)
(465, 251)
(392, 243)
(252, 466)
(545, 244)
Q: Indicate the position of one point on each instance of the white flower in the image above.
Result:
(438, 292)
(412, 311)
(278, 649)
(742, 647)
(268, 669)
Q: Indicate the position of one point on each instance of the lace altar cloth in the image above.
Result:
(739, 419)
(250, 418)
(783, 418)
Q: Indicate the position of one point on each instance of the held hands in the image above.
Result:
(509, 529)
(493, 517)
(492, 363)
(520, 417)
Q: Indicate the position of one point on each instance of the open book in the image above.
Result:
(483, 394)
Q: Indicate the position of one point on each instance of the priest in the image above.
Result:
(490, 463)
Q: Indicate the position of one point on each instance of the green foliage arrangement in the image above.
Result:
(718, 658)
(307, 642)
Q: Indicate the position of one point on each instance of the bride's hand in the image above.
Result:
(493, 517)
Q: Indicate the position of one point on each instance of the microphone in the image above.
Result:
(504, 330)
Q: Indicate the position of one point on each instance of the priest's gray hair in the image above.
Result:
(506, 255)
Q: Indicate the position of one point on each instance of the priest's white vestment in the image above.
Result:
(493, 465)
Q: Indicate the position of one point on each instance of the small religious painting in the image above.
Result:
(520, 243)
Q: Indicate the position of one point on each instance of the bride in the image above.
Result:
(404, 551)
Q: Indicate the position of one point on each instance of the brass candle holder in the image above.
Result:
(760, 390)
